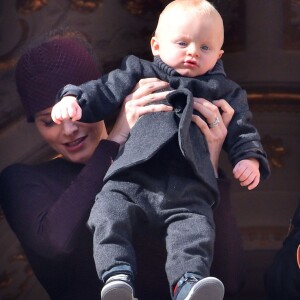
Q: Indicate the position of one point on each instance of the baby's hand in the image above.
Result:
(247, 172)
(67, 108)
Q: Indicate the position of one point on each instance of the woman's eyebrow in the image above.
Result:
(43, 114)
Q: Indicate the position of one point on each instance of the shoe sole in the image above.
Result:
(117, 290)
(209, 288)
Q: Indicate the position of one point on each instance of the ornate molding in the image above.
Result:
(85, 6)
(30, 6)
(291, 40)
(140, 7)
(263, 237)
(272, 102)
(8, 60)
(17, 270)
(275, 150)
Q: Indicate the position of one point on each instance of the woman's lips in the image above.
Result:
(74, 145)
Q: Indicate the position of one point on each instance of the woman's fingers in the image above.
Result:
(153, 108)
(137, 104)
(141, 102)
(211, 115)
(207, 105)
(145, 101)
(146, 87)
(202, 125)
(227, 110)
(152, 98)
(211, 111)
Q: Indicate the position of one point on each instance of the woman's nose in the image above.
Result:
(69, 127)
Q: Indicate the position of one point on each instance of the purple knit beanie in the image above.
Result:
(43, 70)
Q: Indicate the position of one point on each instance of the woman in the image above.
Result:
(47, 205)
(282, 277)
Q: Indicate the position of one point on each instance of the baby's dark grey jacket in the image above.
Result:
(102, 97)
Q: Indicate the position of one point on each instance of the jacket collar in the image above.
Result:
(218, 69)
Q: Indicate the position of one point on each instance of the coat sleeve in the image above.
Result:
(102, 97)
(47, 214)
(243, 140)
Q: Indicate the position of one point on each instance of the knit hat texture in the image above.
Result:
(43, 70)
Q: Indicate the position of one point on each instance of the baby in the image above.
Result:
(163, 177)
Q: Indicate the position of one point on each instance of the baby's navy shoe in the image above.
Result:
(118, 287)
(192, 287)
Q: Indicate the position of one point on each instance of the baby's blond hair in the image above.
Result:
(199, 7)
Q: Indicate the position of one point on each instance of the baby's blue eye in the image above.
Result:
(182, 44)
(204, 47)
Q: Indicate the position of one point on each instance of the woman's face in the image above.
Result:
(75, 141)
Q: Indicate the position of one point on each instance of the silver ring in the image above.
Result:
(215, 123)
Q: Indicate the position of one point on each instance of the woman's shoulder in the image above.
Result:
(13, 179)
(19, 174)
(26, 182)
(15, 170)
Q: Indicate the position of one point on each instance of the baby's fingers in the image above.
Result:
(66, 109)
(74, 112)
(77, 116)
(56, 115)
(254, 183)
(238, 171)
(246, 179)
(249, 179)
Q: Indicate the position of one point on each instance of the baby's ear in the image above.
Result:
(221, 53)
(154, 46)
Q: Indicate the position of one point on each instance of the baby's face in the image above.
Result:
(189, 42)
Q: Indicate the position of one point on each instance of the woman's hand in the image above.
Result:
(215, 127)
(137, 104)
